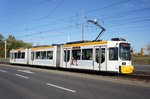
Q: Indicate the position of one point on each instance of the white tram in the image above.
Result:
(111, 56)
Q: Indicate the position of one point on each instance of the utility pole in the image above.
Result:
(5, 49)
(82, 31)
(83, 22)
(68, 38)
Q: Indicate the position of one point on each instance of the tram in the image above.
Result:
(108, 56)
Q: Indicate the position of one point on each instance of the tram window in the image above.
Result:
(125, 51)
(113, 53)
(37, 55)
(102, 55)
(23, 55)
(11, 56)
(50, 55)
(19, 54)
(66, 55)
(16, 55)
(32, 55)
(87, 54)
(76, 54)
(43, 55)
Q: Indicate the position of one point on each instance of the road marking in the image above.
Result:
(26, 71)
(60, 87)
(3, 71)
(22, 76)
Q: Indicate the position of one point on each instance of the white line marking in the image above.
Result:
(3, 71)
(60, 87)
(22, 76)
(26, 71)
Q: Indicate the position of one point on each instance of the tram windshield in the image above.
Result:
(124, 51)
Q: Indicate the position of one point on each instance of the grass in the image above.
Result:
(3, 60)
(141, 60)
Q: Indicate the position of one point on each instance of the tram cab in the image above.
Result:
(19, 56)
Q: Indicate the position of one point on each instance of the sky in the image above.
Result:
(46, 22)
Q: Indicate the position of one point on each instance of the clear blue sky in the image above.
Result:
(44, 22)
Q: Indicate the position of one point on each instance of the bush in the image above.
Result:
(141, 60)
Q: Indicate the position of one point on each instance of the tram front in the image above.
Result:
(125, 63)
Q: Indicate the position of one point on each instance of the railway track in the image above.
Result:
(136, 76)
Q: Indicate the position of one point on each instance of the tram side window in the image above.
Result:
(16, 55)
(49, 54)
(76, 54)
(102, 55)
(11, 55)
(37, 55)
(23, 55)
(113, 53)
(19, 55)
(43, 55)
(66, 55)
(87, 54)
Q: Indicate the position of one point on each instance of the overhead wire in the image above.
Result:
(108, 6)
(105, 17)
(48, 16)
(59, 4)
(46, 31)
(65, 7)
(127, 13)
(89, 12)
(25, 8)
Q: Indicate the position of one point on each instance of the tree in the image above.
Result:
(148, 48)
(11, 38)
(1, 37)
(12, 43)
(2, 46)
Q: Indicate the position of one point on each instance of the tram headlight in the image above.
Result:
(123, 63)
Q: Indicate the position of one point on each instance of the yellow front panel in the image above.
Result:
(126, 69)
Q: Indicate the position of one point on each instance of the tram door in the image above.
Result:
(66, 62)
(32, 57)
(100, 58)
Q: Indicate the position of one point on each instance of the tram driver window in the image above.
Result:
(113, 53)
(11, 56)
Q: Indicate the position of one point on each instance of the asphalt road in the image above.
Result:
(142, 68)
(30, 83)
